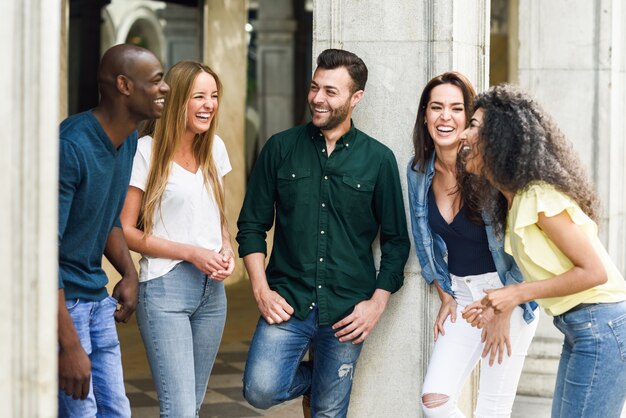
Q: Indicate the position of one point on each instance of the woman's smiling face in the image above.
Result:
(471, 153)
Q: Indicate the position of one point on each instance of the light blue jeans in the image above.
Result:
(591, 381)
(181, 317)
(275, 372)
(95, 325)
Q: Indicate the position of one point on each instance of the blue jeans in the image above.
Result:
(275, 372)
(95, 325)
(181, 317)
(591, 381)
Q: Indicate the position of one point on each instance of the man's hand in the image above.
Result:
(496, 337)
(74, 364)
(273, 307)
(357, 326)
(74, 372)
(125, 292)
(447, 308)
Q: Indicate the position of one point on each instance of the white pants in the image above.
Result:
(456, 354)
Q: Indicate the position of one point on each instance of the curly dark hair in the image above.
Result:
(520, 144)
(424, 146)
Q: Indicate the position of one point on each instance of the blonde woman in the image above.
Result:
(174, 217)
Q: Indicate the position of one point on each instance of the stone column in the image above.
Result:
(275, 28)
(225, 51)
(574, 63)
(403, 45)
(31, 32)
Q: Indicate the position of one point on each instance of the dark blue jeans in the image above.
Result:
(591, 381)
(275, 371)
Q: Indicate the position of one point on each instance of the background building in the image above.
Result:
(574, 62)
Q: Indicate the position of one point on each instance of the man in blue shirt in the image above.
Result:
(96, 154)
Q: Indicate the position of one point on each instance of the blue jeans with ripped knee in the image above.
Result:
(275, 371)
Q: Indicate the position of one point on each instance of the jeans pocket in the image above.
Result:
(71, 304)
(618, 327)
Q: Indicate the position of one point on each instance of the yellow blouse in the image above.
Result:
(539, 258)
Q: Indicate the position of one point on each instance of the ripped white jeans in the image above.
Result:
(456, 354)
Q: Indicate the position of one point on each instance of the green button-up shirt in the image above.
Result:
(328, 211)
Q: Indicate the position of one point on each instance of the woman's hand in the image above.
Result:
(496, 337)
(503, 299)
(447, 308)
(477, 315)
(227, 257)
(207, 261)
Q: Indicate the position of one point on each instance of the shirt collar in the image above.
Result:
(346, 139)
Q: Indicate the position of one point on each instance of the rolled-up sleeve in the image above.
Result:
(394, 240)
(257, 213)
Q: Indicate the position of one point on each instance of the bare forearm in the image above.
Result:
(255, 265)
(116, 251)
(68, 337)
(226, 242)
(573, 281)
(157, 247)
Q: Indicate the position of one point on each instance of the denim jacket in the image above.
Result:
(431, 249)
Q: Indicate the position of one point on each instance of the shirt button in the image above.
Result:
(310, 307)
(293, 175)
(347, 145)
(323, 150)
(321, 260)
(319, 287)
(358, 186)
(313, 304)
(325, 177)
(322, 232)
(323, 205)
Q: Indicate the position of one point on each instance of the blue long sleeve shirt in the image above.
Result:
(93, 180)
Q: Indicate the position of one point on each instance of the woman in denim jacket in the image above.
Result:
(461, 256)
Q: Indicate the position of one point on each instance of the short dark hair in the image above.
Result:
(331, 58)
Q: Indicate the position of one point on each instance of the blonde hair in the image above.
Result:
(166, 137)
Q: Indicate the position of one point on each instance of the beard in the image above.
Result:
(335, 117)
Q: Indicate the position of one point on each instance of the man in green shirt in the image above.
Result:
(330, 189)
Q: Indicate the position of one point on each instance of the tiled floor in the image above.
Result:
(224, 398)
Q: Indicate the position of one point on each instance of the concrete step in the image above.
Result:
(540, 367)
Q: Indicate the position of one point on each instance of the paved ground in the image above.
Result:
(224, 398)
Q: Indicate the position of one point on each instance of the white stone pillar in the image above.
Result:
(574, 63)
(31, 33)
(403, 44)
(275, 28)
(225, 52)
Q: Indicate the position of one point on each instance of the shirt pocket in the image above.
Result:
(294, 187)
(355, 196)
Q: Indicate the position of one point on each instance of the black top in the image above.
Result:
(468, 248)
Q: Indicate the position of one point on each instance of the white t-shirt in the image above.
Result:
(188, 213)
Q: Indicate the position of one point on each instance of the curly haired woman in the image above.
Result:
(548, 208)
